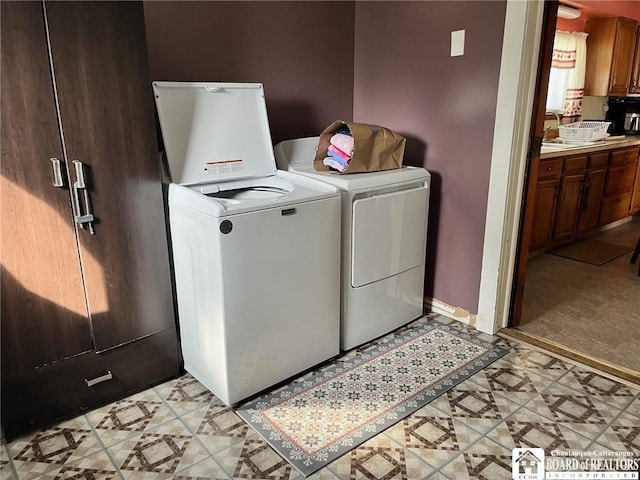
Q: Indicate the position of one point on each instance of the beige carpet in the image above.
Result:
(592, 309)
(595, 252)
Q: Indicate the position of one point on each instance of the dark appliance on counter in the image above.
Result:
(624, 115)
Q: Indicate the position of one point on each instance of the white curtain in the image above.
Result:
(566, 79)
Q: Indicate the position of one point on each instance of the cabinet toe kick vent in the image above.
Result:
(103, 377)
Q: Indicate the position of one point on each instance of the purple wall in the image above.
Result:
(384, 62)
(301, 51)
(406, 80)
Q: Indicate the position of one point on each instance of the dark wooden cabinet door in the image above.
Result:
(43, 309)
(544, 212)
(591, 200)
(568, 207)
(106, 107)
(634, 84)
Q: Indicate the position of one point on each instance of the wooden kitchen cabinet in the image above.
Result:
(618, 189)
(615, 208)
(568, 198)
(544, 212)
(568, 208)
(577, 194)
(634, 83)
(610, 53)
(593, 191)
(546, 199)
(635, 196)
(87, 312)
(591, 200)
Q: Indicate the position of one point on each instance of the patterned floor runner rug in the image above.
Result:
(313, 421)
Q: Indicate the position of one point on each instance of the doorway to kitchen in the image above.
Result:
(587, 312)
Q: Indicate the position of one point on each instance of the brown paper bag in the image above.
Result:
(375, 148)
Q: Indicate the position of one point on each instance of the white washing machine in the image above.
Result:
(384, 228)
(256, 250)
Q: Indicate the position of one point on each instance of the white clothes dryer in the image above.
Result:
(256, 251)
(384, 228)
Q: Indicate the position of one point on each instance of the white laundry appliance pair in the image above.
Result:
(384, 226)
(256, 251)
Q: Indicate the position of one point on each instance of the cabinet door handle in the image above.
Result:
(83, 216)
(58, 180)
(548, 169)
(585, 195)
(90, 382)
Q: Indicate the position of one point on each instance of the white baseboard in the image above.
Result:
(456, 313)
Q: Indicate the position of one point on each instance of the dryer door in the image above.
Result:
(389, 235)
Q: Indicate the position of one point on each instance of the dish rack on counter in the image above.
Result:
(584, 131)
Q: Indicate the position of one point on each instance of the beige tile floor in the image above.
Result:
(592, 309)
(178, 430)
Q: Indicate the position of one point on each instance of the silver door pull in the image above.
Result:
(83, 216)
(95, 380)
(58, 181)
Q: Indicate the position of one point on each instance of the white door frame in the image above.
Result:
(516, 89)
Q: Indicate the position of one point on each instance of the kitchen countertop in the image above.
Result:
(549, 151)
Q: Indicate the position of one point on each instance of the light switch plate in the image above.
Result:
(457, 43)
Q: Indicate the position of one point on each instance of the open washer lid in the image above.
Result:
(214, 132)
